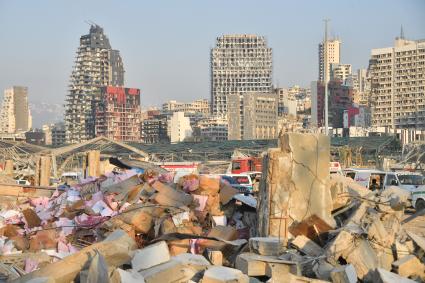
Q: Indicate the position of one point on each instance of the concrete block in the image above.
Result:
(249, 264)
(408, 266)
(180, 268)
(383, 276)
(358, 252)
(344, 274)
(216, 257)
(221, 274)
(267, 245)
(291, 278)
(307, 246)
(150, 256)
(278, 270)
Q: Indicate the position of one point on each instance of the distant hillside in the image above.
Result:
(44, 113)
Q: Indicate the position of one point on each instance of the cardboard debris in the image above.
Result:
(115, 249)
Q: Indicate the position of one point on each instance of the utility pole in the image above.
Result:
(325, 70)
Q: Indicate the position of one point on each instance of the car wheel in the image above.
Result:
(420, 205)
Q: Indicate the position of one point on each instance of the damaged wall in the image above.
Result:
(295, 184)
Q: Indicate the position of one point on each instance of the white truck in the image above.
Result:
(412, 182)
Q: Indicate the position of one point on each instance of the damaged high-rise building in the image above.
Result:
(96, 65)
(240, 64)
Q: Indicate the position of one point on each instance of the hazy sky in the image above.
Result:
(166, 45)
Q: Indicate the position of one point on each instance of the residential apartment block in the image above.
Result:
(397, 77)
(341, 98)
(240, 64)
(15, 115)
(340, 72)
(198, 106)
(180, 128)
(213, 128)
(252, 116)
(333, 56)
(96, 65)
(118, 114)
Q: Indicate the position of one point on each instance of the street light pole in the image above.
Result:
(325, 70)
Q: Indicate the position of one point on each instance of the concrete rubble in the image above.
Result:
(132, 225)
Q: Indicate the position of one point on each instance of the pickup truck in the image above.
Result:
(380, 180)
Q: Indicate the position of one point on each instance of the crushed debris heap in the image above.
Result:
(132, 225)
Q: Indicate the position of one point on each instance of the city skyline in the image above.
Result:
(155, 42)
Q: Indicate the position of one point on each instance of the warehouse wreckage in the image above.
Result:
(141, 224)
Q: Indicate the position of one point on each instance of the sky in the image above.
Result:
(165, 45)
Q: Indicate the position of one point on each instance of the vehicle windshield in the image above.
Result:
(415, 180)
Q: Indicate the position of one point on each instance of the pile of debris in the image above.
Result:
(143, 226)
(192, 213)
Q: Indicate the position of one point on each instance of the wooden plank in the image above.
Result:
(25, 191)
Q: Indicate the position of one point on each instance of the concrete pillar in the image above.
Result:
(93, 161)
(45, 169)
(8, 167)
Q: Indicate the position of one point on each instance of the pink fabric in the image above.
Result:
(190, 185)
(88, 220)
(30, 265)
(41, 202)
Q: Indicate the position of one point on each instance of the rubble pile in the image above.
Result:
(144, 226)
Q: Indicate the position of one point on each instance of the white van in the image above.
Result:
(405, 180)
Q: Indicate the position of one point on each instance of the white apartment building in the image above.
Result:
(214, 128)
(333, 56)
(180, 128)
(240, 64)
(397, 77)
(340, 72)
(198, 106)
(15, 115)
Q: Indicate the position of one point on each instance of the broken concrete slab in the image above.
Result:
(267, 245)
(380, 275)
(344, 274)
(249, 264)
(307, 246)
(180, 268)
(418, 240)
(150, 256)
(279, 270)
(356, 251)
(408, 266)
(221, 274)
(291, 278)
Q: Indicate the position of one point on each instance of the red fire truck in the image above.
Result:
(246, 164)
